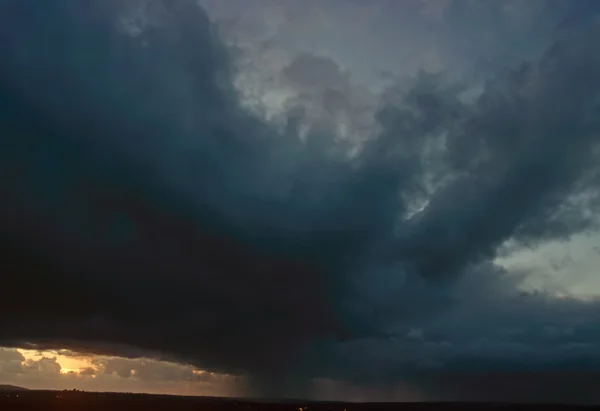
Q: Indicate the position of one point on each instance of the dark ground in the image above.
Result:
(60, 400)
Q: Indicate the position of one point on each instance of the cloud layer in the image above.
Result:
(48, 370)
(147, 210)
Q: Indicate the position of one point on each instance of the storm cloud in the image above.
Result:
(145, 209)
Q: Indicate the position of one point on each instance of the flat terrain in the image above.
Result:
(61, 400)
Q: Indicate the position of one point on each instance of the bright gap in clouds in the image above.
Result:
(65, 369)
(561, 268)
(68, 364)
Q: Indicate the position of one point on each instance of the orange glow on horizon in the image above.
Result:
(64, 369)
(67, 363)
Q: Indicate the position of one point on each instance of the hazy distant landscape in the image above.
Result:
(77, 400)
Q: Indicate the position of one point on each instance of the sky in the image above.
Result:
(322, 199)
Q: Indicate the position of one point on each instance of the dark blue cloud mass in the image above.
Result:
(144, 207)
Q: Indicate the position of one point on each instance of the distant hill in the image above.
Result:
(11, 388)
(101, 401)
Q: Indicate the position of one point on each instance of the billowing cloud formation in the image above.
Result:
(146, 208)
(50, 370)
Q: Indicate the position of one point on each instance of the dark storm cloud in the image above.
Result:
(324, 97)
(565, 387)
(143, 207)
(515, 156)
(142, 198)
(314, 71)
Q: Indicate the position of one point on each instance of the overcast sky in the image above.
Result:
(337, 199)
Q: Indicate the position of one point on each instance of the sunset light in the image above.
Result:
(66, 369)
